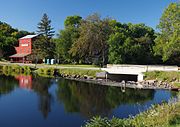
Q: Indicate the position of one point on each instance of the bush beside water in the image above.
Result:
(15, 70)
(163, 115)
(45, 72)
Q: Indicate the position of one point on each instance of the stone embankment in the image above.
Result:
(100, 77)
(146, 84)
(156, 84)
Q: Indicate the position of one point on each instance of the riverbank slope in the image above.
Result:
(88, 73)
(163, 115)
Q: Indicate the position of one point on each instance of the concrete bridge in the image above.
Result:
(135, 71)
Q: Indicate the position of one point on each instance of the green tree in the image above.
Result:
(168, 41)
(67, 37)
(44, 27)
(9, 39)
(46, 32)
(91, 46)
(131, 44)
(39, 49)
(73, 21)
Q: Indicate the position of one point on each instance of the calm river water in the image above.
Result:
(27, 101)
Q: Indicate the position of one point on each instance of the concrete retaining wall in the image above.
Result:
(125, 69)
(141, 68)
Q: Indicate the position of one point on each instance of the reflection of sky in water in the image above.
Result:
(123, 111)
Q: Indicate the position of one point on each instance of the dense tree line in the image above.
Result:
(96, 40)
(168, 41)
(100, 41)
(9, 39)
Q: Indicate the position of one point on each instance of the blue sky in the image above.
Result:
(25, 14)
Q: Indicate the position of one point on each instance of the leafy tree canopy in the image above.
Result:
(91, 46)
(67, 37)
(131, 44)
(73, 21)
(9, 39)
(168, 41)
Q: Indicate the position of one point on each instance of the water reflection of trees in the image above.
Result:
(90, 100)
(7, 85)
(41, 86)
(87, 99)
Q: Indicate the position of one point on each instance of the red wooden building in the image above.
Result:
(24, 49)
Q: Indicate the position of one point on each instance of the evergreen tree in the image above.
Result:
(44, 27)
(46, 32)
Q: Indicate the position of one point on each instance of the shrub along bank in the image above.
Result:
(164, 115)
(45, 72)
(14, 70)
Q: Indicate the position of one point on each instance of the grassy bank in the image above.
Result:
(14, 70)
(45, 72)
(80, 72)
(82, 66)
(49, 72)
(164, 115)
(171, 77)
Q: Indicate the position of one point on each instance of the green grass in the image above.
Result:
(177, 84)
(71, 65)
(163, 115)
(3, 60)
(172, 77)
(163, 76)
(49, 72)
(80, 72)
(82, 66)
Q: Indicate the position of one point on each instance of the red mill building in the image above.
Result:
(24, 49)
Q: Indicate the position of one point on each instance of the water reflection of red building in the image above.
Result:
(25, 81)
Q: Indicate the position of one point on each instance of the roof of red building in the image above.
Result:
(28, 36)
(18, 55)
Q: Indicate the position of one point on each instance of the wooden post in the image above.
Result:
(106, 76)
